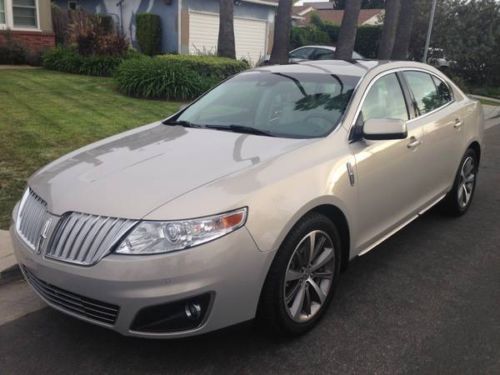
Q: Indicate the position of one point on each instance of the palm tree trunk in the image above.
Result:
(279, 54)
(403, 33)
(225, 45)
(389, 30)
(348, 30)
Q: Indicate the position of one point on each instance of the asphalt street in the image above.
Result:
(425, 301)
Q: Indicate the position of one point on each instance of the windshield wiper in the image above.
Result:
(241, 129)
(183, 123)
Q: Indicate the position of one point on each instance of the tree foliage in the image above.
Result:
(469, 33)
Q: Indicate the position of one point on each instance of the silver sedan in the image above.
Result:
(250, 201)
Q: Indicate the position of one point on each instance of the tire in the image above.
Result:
(288, 319)
(459, 198)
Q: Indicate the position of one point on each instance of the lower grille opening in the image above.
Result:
(176, 316)
(87, 307)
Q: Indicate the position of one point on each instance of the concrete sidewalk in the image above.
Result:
(491, 115)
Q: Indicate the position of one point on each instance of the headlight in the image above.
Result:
(153, 237)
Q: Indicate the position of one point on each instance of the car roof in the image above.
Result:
(332, 48)
(342, 67)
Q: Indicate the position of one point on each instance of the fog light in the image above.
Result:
(175, 316)
(193, 310)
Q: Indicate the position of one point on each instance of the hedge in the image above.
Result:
(148, 33)
(367, 37)
(69, 61)
(174, 77)
(301, 36)
(217, 68)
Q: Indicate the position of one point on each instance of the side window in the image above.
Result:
(323, 54)
(424, 91)
(443, 91)
(301, 53)
(385, 100)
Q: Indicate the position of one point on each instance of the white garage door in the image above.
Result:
(250, 36)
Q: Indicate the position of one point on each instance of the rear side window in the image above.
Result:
(385, 100)
(443, 91)
(302, 53)
(323, 54)
(426, 93)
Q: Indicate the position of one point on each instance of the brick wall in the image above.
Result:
(32, 40)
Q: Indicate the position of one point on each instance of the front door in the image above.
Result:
(388, 171)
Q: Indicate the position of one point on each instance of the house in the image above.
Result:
(192, 26)
(366, 16)
(29, 22)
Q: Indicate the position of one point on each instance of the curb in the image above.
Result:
(9, 270)
(10, 274)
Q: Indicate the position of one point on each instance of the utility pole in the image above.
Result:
(429, 31)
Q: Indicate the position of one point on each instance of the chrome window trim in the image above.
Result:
(398, 70)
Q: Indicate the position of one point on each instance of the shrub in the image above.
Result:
(60, 23)
(301, 36)
(148, 33)
(320, 32)
(69, 61)
(176, 77)
(106, 23)
(11, 51)
(91, 38)
(157, 78)
(216, 68)
(367, 41)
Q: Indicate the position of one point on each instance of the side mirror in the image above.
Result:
(387, 128)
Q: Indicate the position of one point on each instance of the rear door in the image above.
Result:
(438, 115)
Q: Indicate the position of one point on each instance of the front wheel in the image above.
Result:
(458, 200)
(302, 278)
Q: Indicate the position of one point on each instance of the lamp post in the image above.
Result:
(429, 31)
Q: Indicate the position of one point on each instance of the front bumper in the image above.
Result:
(231, 269)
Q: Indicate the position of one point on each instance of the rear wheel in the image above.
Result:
(302, 278)
(458, 200)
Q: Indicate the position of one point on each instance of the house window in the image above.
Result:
(2, 12)
(72, 5)
(24, 13)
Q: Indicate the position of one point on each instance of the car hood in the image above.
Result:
(131, 174)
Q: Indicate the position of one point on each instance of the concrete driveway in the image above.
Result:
(425, 301)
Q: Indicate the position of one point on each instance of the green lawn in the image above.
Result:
(45, 114)
(489, 102)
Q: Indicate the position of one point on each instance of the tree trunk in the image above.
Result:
(403, 33)
(225, 45)
(348, 30)
(389, 31)
(279, 54)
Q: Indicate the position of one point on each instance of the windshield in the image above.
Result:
(278, 104)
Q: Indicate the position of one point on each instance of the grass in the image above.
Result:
(45, 114)
(489, 102)
(490, 91)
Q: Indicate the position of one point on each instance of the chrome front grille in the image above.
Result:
(87, 307)
(32, 218)
(76, 238)
(85, 239)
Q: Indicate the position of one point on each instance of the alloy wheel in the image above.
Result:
(309, 276)
(466, 184)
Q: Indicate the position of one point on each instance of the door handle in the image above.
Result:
(414, 143)
(458, 124)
